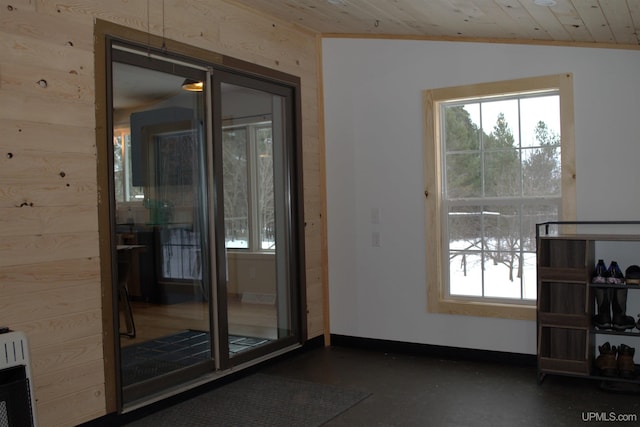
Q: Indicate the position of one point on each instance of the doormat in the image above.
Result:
(150, 359)
(259, 400)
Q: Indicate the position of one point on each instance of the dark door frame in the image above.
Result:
(106, 34)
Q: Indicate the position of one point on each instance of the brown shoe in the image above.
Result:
(606, 362)
(626, 367)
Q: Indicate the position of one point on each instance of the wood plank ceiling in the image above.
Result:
(607, 22)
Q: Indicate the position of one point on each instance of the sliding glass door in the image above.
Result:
(251, 143)
(205, 220)
(161, 227)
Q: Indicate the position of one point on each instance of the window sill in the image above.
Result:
(482, 309)
(250, 255)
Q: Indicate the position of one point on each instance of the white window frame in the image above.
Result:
(254, 236)
(438, 298)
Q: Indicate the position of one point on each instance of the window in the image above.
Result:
(124, 188)
(248, 182)
(499, 159)
(248, 186)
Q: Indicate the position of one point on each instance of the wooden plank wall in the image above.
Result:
(49, 256)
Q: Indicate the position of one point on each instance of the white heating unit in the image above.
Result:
(17, 404)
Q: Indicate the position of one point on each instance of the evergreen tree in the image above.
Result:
(502, 178)
(543, 161)
(502, 165)
(462, 138)
(490, 166)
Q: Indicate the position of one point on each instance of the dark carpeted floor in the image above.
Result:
(406, 390)
(259, 400)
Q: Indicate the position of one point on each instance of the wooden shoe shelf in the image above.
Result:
(566, 337)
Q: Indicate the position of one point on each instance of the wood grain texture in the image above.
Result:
(18, 106)
(53, 384)
(47, 220)
(33, 249)
(48, 193)
(74, 408)
(32, 167)
(49, 83)
(49, 305)
(568, 22)
(25, 278)
(46, 137)
(64, 355)
(72, 326)
(50, 270)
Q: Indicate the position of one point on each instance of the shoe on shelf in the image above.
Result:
(632, 275)
(620, 320)
(602, 320)
(606, 362)
(626, 367)
(600, 274)
(614, 274)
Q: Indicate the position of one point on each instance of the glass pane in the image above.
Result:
(536, 214)
(500, 124)
(501, 229)
(502, 246)
(506, 149)
(502, 274)
(465, 273)
(464, 177)
(258, 286)
(501, 173)
(162, 249)
(540, 120)
(465, 228)
(236, 191)
(465, 246)
(462, 124)
(541, 171)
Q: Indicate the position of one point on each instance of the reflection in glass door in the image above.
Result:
(205, 221)
(160, 225)
(253, 154)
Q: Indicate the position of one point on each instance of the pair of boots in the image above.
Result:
(612, 301)
(616, 362)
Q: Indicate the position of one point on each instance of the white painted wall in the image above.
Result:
(374, 149)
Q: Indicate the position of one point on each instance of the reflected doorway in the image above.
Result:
(203, 221)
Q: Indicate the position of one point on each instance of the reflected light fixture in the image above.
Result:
(192, 85)
(547, 3)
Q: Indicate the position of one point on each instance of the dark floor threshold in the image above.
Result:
(438, 351)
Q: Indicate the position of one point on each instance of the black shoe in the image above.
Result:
(621, 321)
(602, 320)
